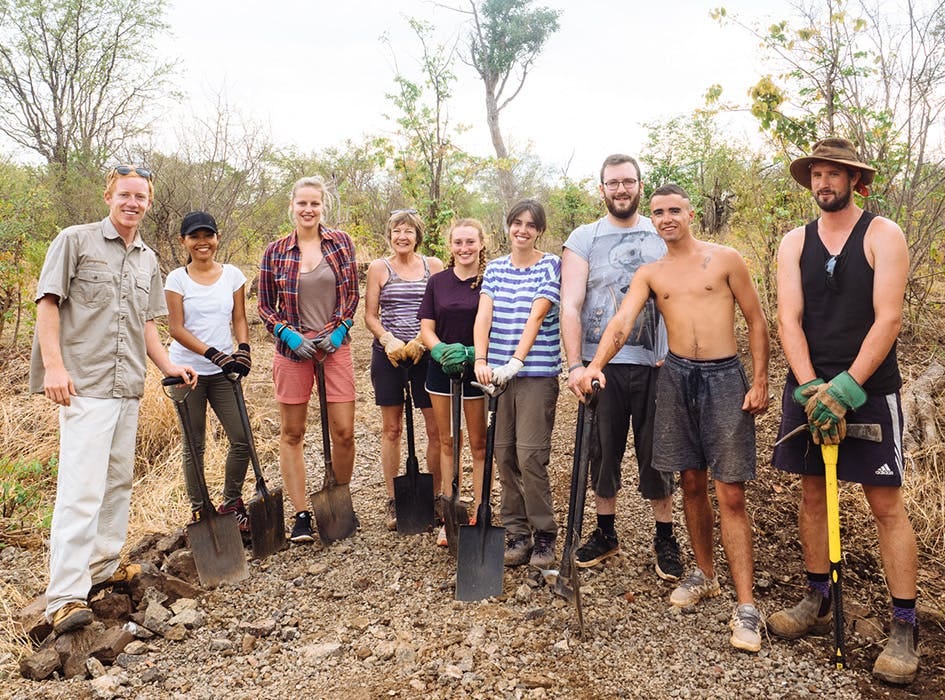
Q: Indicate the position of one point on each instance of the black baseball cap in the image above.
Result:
(196, 220)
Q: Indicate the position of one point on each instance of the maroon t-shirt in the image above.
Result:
(452, 304)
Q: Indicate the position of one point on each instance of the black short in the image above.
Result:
(438, 382)
(389, 381)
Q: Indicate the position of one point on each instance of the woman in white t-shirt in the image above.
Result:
(206, 309)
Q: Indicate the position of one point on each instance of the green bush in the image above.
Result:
(25, 487)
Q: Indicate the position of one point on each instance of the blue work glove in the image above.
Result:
(806, 390)
(827, 407)
(333, 341)
(298, 343)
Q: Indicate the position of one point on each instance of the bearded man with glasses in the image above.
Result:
(597, 264)
(98, 294)
(841, 283)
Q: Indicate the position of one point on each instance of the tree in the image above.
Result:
(79, 77)
(505, 40)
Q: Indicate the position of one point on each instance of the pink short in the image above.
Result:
(294, 380)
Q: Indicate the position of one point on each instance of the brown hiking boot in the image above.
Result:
(803, 618)
(71, 616)
(899, 660)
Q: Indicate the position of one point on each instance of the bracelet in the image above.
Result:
(515, 358)
(481, 359)
(575, 366)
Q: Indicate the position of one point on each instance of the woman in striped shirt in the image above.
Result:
(395, 287)
(517, 346)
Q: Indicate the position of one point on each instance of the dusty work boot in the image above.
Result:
(71, 616)
(543, 553)
(694, 588)
(899, 661)
(518, 549)
(811, 616)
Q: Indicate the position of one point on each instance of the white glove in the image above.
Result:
(501, 375)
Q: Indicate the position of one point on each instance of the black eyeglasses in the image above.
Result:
(128, 170)
(830, 269)
(614, 185)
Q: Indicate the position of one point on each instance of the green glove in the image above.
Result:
(436, 352)
(470, 354)
(454, 369)
(830, 402)
(806, 390)
(451, 354)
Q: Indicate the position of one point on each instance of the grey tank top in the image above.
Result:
(399, 302)
(318, 296)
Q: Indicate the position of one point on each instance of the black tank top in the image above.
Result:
(838, 316)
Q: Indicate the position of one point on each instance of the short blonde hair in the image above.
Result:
(111, 180)
(406, 216)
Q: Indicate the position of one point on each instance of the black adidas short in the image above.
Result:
(859, 461)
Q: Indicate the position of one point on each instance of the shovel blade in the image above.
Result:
(413, 501)
(334, 513)
(267, 523)
(480, 563)
(218, 550)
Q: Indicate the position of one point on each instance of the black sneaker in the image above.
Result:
(302, 530)
(597, 548)
(668, 565)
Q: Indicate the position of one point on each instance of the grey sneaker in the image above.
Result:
(543, 553)
(694, 588)
(804, 618)
(668, 565)
(746, 628)
(899, 660)
(518, 548)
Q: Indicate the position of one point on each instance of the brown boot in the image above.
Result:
(803, 618)
(900, 658)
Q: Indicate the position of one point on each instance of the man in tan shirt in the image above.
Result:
(97, 296)
(705, 406)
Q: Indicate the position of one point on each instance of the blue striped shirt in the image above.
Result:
(513, 290)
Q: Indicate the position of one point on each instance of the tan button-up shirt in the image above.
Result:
(107, 292)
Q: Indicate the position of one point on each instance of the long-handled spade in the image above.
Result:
(451, 519)
(266, 511)
(481, 558)
(568, 583)
(830, 453)
(413, 492)
(214, 539)
(334, 512)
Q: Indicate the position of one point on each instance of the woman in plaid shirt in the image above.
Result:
(308, 293)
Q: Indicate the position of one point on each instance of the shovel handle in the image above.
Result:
(830, 453)
(248, 430)
(323, 414)
(412, 464)
(183, 412)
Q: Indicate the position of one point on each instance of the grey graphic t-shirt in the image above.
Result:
(613, 254)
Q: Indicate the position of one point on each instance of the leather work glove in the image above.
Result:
(449, 354)
(303, 347)
(333, 341)
(226, 362)
(501, 375)
(394, 347)
(828, 405)
(414, 350)
(243, 360)
(806, 390)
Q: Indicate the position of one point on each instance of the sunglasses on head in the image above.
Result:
(830, 270)
(129, 170)
(403, 211)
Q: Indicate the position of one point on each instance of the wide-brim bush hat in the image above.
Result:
(833, 150)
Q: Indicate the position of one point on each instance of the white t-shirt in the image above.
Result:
(613, 255)
(208, 314)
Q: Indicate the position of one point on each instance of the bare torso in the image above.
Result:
(692, 292)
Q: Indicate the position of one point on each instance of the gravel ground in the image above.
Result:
(374, 616)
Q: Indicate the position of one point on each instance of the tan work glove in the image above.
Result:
(394, 347)
(414, 350)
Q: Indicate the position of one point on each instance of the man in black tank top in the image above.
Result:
(841, 282)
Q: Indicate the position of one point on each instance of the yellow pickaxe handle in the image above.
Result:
(830, 453)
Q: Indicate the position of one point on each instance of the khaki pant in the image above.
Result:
(524, 421)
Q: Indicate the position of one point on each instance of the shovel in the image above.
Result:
(266, 514)
(413, 492)
(861, 431)
(830, 453)
(481, 559)
(568, 583)
(450, 517)
(334, 512)
(214, 539)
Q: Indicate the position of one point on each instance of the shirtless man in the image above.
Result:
(704, 403)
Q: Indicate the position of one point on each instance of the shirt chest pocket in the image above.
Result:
(93, 287)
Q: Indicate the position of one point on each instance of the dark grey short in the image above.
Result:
(700, 423)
